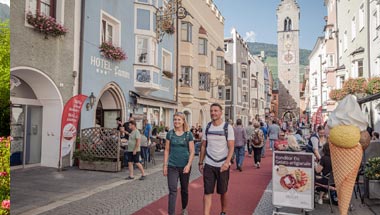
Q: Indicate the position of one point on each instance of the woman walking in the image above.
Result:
(178, 156)
(257, 143)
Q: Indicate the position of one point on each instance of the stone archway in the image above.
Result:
(110, 105)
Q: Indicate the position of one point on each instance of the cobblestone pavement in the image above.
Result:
(124, 199)
(265, 206)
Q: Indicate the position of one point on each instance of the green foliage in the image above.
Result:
(5, 175)
(372, 169)
(4, 78)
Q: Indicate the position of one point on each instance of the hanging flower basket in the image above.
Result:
(168, 74)
(111, 52)
(373, 86)
(46, 25)
(355, 85)
(337, 95)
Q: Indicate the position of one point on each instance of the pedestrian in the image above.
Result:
(273, 132)
(134, 151)
(264, 129)
(240, 140)
(217, 149)
(124, 144)
(147, 130)
(257, 143)
(249, 131)
(178, 157)
(316, 142)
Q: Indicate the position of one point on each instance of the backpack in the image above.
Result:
(225, 129)
(256, 140)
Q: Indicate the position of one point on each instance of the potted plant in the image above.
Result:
(356, 86)
(45, 24)
(108, 50)
(373, 86)
(337, 94)
(372, 172)
(5, 175)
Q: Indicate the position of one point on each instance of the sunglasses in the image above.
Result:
(179, 113)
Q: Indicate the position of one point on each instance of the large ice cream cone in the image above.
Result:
(345, 164)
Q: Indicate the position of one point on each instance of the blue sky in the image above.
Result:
(256, 19)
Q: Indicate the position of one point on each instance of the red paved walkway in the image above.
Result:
(244, 192)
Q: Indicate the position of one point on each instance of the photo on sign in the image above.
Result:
(293, 178)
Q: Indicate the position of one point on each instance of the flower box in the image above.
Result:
(373, 86)
(108, 50)
(107, 166)
(337, 95)
(355, 85)
(46, 25)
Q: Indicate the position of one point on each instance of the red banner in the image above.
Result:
(70, 118)
(319, 116)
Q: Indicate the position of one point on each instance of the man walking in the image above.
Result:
(217, 149)
(134, 151)
(240, 140)
(273, 132)
(249, 132)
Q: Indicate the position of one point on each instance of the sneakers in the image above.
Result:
(320, 201)
(258, 165)
(249, 155)
(184, 212)
(222, 213)
(142, 177)
(129, 178)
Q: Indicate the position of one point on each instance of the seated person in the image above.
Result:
(281, 144)
(324, 167)
(292, 141)
(299, 137)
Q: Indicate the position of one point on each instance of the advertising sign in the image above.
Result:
(293, 180)
(69, 125)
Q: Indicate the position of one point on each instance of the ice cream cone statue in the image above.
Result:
(346, 123)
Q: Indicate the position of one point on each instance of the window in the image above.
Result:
(186, 76)
(357, 68)
(143, 19)
(254, 83)
(254, 103)
(219, 63)
(226, 47)
(353, 28)
(244, 74)
(361, 17)
(220, 92)
(204, 81)
(186, 31)
(324, 96)
(110, 30)
(315, 82)
(331, 60)
(46, 7)
(345, 41)
(142, 50)
(166, 61)
(245, 98)
(315, 100)
(212, 59)
(228, 94)
(374, 26)
(339, 82)
(202, 46)
(360, 68)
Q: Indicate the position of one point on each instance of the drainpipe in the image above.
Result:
(177, 56)
(369, 55)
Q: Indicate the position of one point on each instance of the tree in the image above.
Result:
(4, 78)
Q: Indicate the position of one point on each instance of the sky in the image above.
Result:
(5, 2)
(256, 20)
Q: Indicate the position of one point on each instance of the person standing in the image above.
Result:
(316, 142)
(257, 144)
(249, 131)
(148, 134)
(178, 157)
(240, 140)
(216, 150)
(134, 151)
(263, 128)
(273, 132)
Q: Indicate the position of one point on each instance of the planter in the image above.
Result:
(374, 189)
(106, 166)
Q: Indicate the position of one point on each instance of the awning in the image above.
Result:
(154, 101)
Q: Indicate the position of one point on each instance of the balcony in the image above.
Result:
(186, 99)
(146, 81)
(203, 96)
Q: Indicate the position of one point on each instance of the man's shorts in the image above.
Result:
(211, 175)
(133, 158)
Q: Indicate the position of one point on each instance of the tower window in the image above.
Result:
(287, 24)
(288, 81)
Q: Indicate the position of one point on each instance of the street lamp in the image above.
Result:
(91, 103)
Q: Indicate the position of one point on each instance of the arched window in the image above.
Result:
(287, 24)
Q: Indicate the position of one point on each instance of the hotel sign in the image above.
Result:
(105, 67)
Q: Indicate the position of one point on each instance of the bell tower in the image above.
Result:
(288, 16)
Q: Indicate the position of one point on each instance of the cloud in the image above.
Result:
(5, 2)
(250, 36)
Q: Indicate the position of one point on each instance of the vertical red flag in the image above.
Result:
(319, 116)
(69, 124)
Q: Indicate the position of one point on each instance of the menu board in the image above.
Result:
(293, 179)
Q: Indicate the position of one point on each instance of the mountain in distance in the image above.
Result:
(271, 57)
(4, 11)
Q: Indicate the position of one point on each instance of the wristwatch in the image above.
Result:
(200, 163)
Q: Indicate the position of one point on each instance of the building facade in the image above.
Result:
(288, 16)
(44, 76)
(137, 85)
(201, 61)
(239, 74)
(257, 90)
